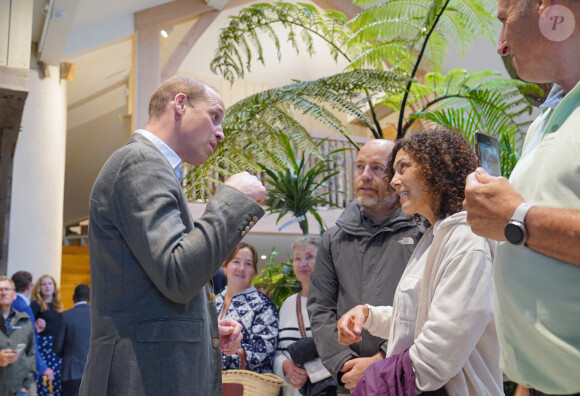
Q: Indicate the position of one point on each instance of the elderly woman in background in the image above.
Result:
(241, 302)
(47, 307)
(308, 376)
(441, 330)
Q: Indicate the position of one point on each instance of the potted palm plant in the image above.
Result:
(299, 188)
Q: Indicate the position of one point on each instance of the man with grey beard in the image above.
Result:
(360, 260)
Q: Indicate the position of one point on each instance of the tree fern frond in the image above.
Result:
(245, 32)
(465, 101)
(395, 34)
(411, 21)
(434, 53)
(376, 56)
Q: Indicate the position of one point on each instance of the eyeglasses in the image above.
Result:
(5, 290)
(376, 170)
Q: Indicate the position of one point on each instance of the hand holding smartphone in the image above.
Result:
(487, 149)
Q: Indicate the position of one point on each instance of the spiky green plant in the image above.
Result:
(278, 281)
(299, 188)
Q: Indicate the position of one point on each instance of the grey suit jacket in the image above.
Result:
(154, 323)
(72, 341)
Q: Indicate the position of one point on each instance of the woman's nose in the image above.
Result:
(395, 181)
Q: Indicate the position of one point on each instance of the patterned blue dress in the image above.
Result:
(53, 321)
(259, 319)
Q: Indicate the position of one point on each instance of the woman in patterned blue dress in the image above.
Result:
(47, 307)
(253, 310)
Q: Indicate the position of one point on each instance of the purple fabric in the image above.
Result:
(393, 376)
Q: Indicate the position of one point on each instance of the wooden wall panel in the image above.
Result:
(75, 270)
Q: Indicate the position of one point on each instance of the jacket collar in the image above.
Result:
(352, 221)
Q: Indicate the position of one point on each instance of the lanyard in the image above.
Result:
(299, 314)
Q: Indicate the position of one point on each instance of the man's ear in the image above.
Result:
(540, 5)
(543, 4)
(179, 103)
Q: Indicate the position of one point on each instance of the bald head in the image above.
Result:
(378, 146)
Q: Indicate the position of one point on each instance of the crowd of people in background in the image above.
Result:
(40, 344)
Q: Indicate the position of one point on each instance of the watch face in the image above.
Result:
(514, 233)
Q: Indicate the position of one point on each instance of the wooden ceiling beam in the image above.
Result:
(187, 43)
(171, 14)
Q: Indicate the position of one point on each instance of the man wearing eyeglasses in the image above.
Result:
(17, 362)
(359, 261)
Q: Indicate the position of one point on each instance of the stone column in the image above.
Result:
(36, 219)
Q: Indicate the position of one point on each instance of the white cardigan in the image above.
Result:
(443, 310)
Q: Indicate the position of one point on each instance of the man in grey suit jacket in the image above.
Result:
(72, 341)
(154, 324)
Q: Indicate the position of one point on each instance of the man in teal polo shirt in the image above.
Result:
(536, 215)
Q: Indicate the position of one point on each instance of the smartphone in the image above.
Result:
(19, 348)
(487, 149)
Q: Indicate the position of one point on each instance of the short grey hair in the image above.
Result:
(306, 240)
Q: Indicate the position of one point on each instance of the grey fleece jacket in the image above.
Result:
(21, 372)
(358, 262)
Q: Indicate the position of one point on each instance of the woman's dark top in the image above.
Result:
(50, 316)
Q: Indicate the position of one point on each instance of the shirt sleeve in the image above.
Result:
(379, 321)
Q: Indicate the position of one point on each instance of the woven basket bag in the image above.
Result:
(247, 383)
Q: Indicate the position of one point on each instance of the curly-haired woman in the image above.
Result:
(441, 330)
(47, 306)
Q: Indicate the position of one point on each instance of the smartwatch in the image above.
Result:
(515, 230)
